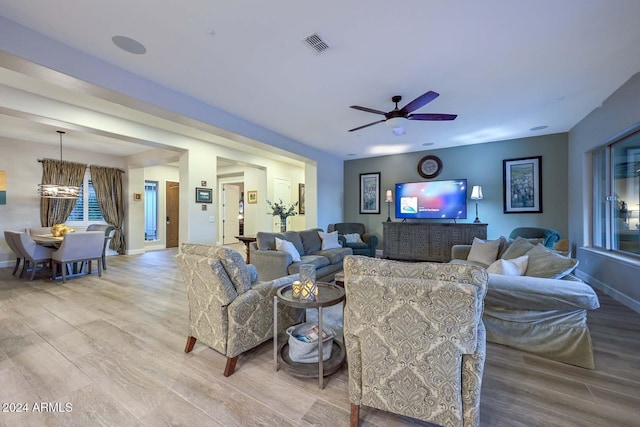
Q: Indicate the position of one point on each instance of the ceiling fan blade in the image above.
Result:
(420, 101)
(370, 124)
(368, 110)
(433, 117)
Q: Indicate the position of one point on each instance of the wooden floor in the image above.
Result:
(109, 351)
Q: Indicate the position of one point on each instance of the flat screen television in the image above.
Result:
(446, 199)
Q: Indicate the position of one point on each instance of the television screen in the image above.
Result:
(432, 199)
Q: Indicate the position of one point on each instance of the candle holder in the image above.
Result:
(296, 288)
(309, 288)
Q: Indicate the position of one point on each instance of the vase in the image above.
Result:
(283, 225)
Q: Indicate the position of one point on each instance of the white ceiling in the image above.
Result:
(503, 66)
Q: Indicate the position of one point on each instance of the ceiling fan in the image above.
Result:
(395, 118)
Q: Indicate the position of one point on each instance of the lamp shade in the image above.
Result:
(389, 197)
(476, 192)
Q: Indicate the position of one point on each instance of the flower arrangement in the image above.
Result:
(279, 209)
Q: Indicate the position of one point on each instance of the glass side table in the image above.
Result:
(328, 295)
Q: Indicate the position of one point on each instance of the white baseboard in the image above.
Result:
(613, 293)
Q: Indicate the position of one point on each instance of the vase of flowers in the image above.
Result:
(280, 210)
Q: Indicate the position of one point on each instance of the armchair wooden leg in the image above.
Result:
(354, 420)
(231, 366)
(191, 341)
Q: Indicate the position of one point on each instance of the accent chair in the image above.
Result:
(415, 339)
(367, 244)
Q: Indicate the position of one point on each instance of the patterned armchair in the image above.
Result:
(415, 339)
(229, 310)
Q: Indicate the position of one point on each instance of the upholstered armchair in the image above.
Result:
(415, 339)
(548, 235)
(367, 244)
(229, 310)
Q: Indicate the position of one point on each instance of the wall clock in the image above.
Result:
(429, 167)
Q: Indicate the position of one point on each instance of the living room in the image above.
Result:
(332, 179)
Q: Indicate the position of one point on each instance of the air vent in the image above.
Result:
(316, 43)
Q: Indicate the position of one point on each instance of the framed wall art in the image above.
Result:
(522, 185)
(370, 193)
(204, 195)
(301, 199)
(252, 197)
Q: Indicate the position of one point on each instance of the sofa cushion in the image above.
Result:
(236, 268)
(484, 252)
(335, 255)
(287, 247)
(543, 262)
(510, 267)
(267, 241)
(517, 248)
(311, 241)
(329, 240)
(318, 261)
(294, 237)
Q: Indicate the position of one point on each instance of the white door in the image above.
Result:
(281, 191)
(230, 213)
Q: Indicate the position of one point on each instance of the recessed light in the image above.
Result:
(129, 45)
(210, 32)
(539, 127)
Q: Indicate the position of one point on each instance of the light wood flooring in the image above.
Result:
(110, 349)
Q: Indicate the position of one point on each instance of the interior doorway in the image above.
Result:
(281, 191)
(231, 200)
(172, 206)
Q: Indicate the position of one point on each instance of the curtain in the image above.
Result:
(107, 183)
(56, 211)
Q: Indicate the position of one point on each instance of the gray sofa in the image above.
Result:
(272, 264)
(543, 316)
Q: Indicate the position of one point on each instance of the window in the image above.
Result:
(616, 201)
(150, 210)
(86, 209)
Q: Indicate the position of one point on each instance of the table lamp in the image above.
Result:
(476, 194)
(388, 200)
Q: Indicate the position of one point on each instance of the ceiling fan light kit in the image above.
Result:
(395, 118)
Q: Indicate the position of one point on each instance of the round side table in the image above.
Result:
(328, 295)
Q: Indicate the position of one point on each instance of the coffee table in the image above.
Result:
(328, 295)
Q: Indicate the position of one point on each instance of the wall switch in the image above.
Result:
(212, 219)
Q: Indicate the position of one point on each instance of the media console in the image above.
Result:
(427, 241)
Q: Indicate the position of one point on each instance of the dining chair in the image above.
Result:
(33, 231)
(108, 230)
(9, 237)
(33, 253)
(78, 248)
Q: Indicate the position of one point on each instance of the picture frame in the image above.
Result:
(252, 197)
(522, 185)
(204, 195)
(301, 199)
(370, 193)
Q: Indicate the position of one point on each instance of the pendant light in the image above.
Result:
(58, 191)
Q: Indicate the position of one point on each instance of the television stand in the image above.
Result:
(427, 241)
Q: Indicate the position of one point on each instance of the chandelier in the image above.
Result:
(58, 191)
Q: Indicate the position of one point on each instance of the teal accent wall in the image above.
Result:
(480, 164)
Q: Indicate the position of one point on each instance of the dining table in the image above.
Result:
(48, 240)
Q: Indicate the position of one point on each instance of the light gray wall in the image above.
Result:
(481, 165)
(617, 275)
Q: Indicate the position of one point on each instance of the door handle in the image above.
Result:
(168, 222)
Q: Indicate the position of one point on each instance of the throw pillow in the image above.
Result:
(483, 252)
(352, 238)
(288, 247)
(543, 262)
(510, 267)
(329, 240)
(517, 248)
